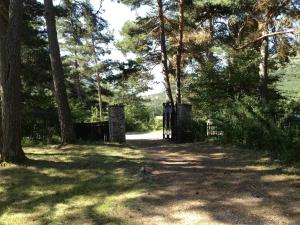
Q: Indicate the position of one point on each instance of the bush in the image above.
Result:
(198, 128)
(157, 123)
(246, 123)
(137, 117)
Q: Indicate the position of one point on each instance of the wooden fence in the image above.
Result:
(92, 131)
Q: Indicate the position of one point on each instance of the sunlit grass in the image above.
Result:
(81, 184)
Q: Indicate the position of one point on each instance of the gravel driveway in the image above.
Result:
(153, 135)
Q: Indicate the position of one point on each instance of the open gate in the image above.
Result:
(177, 122)
(169, 121)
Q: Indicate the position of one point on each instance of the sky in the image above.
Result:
(116, 14)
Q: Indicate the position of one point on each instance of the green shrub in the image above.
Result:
(157, 123)
(246, 123)
(198, 128)
(137, 117)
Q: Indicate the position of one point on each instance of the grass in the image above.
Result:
(80, 184)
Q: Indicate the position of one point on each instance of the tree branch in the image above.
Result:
(262, 37)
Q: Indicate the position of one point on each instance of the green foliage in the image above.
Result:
(135, 39)
(39, 114)
(246, 122)
(95, 115)
(198, 128)
(155, 103)
(228, 94)
(220, 82)
(137, 117)
(213, 85)
(156, 122)
(290, 78)
(79, 112)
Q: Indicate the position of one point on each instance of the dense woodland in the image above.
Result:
(226, 58)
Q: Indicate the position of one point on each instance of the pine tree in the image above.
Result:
(64, 113)
(156, 23)
(72, 30)
(10, 32)
(96, 36)
(181, 4)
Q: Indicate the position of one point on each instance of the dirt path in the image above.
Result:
(154, 135)
(202, 183)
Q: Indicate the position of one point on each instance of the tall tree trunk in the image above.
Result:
(179, 52)
(164, 52)
(64, 113)
(10, 60)
(99, 93)
(263, 69)
(98, 78)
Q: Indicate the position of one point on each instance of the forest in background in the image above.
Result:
(226, 58)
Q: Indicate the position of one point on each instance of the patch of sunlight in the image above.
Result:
(35, 192)
(79, 184)
(191, 217)
(170, 162)
(194, 167)
(116, 202)
(74, 206)
(245, 201)
(121, 152)
(84, 200)
(61, 209)
(258, 168)
(43, 150)
(2, 189)
(276, 193)
(263, 160)
(230, 168)
(71, 206)
(188, 205)
(292, 170)
(277, 178)
(18, 218)
(51, 173)
(6, 166)
(218, 154)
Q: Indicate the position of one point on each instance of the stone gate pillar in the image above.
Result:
(184, 123)
(117, 132)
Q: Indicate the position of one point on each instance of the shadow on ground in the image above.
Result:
(203, 183)
(196, 183)
(78, 185)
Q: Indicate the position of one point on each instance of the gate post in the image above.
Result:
(184, 122)
(117, 132)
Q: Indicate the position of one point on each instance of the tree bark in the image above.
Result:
(179, 52)
(263, 69)
(10, 61)
(64, 113)
(99, 93)
(164, 52)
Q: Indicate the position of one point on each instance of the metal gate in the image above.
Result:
(169, 121)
